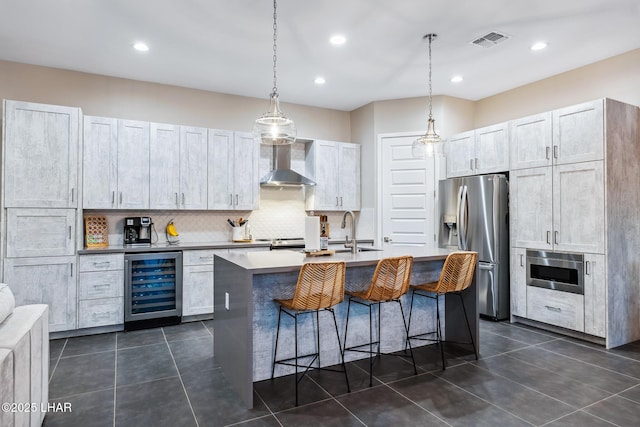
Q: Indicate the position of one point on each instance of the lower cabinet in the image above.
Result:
(45, 280)
(562, 309)
(197, 281)
(518, 289)
(101, 290)
(595, 295)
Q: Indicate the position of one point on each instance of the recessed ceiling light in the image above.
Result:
(319, 81)
(337, 40)
(456, 79)
(538, 46)
(142, 47)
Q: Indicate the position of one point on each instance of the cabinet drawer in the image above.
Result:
(101, 284)
(101, 262)
(201, 257)
(100, 312)
(556, 308)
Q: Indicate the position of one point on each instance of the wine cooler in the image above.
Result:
(153, 289)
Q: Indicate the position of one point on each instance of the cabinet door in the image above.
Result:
(595, 295)
(164, 166)
(531, 198)
(518, 286)
(460, 154)
(246, 182)
(578, 133)
(220, 169)
(40, 232)
(530, 141)
(578, 207)
(40, 161)
(492, 149)
(45, 281)
(193, 168)
(100, 163)
(326, 161)
(133, 164)
(197, 289)
(349, 175)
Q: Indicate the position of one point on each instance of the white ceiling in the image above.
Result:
(226, 45)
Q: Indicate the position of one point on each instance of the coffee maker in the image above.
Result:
(137, 230)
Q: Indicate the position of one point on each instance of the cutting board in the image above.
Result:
(324, 252)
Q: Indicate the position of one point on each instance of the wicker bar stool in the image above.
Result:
(320, 286)
(390, 281)
(456, 276)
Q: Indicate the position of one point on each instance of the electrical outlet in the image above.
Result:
(226, 300)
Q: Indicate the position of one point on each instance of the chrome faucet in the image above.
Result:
(353, 244)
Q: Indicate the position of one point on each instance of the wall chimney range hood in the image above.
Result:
(281, 174)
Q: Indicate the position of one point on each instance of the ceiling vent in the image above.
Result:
(490, 39)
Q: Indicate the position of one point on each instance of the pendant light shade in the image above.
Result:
(430, 143)
(274, 127)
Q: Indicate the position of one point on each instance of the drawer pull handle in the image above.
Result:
(101, 263)
(555, 309)
(207, 258)
(103, 285)
(101, 314)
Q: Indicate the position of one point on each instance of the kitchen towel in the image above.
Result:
(312, 233)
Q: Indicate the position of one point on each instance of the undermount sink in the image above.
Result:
(342, 249)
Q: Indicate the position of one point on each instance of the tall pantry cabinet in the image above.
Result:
(574, 177)
(40, 151)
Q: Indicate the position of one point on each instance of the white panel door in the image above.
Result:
(164, 166)
(408, 193)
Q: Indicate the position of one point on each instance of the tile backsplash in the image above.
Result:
(281, 214)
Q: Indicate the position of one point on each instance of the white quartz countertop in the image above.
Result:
(289, 260)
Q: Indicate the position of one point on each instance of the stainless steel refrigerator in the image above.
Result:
(474, 216)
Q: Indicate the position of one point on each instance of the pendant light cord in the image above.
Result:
(431, 36)
(275, 48)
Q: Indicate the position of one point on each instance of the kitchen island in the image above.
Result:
(245, 316)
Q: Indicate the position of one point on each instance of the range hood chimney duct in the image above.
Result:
(281, 174)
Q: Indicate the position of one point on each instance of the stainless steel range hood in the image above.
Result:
(281, 174)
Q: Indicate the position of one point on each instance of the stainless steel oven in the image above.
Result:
(556, 270)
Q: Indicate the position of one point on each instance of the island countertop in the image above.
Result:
(290, 260)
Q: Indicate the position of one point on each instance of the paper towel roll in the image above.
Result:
(312, 233)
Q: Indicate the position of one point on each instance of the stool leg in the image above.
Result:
(341, 350)
(346, 325)
(379, 327)
(370, 348)
(318, 335)
(468, 326)
(409, 326)
(275, 352)
(406, 328)
(439, 332)
(295, 377)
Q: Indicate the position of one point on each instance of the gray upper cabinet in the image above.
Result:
(578, 133)
(164, 166)
(481, 151)
(335, 167)
(531, 141)
(133, 165)
(233, 170)
(40, 155)
(100, 163)
(193, 168)
(178, 167)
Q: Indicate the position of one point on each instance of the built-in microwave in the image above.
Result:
(556, 270)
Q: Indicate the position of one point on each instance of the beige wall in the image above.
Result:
(617, 78)
(130, 99)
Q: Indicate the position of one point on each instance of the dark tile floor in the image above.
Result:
(168, 377)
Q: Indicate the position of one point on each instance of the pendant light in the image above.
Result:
(428, 144)
(274, 127)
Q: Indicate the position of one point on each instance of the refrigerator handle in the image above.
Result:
(463, 218)
(459, 217)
